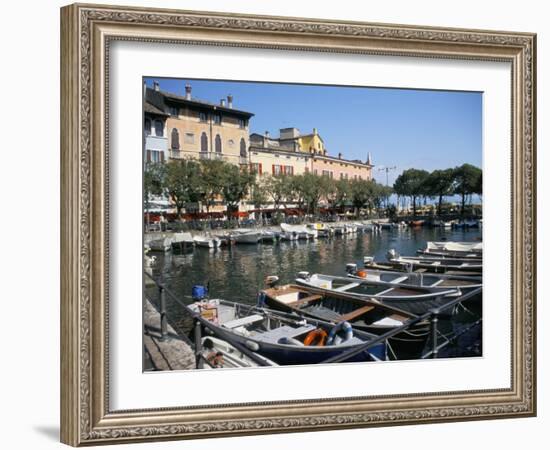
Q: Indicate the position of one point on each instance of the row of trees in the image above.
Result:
(307, 191)
(464, 180)
(204, 182)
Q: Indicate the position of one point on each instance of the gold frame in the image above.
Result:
(86, 31)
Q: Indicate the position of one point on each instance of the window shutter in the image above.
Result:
(260, 168)
(148, 155)
(273, 169)
(161, 156)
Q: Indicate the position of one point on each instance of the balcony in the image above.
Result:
(211, 155)
(159, 143)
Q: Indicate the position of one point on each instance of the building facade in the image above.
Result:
(155, 139)
(200, 129)
(293, 153)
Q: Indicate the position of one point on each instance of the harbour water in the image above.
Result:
(237, 273)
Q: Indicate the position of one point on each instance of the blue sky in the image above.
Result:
(400, 127)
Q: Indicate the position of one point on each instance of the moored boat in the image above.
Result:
(412, 299)
(160, 245)
(218, 354)
(433, 282)
(207, 241)
(365, 315)
(300, 231)
(435, 264)
(246, 236)
(453, 249)
(282, 338)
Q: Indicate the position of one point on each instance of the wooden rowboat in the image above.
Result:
(365, 315)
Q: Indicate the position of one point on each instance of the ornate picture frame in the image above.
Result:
(87, 32)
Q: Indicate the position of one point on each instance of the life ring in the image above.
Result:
(334, 337)
(316, 337)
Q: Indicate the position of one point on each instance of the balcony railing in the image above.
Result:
(156, 143)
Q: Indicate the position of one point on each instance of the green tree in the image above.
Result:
(258, 194)
(338, 193)
(313, 188)
(411, 183)
(183, 183)
(154, 179)
(212, 180)
(361, 194)
(276, 188)
(467, 181)
(236, 185)
(440, 184)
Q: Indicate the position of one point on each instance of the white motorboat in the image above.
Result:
(207, 241)
(219, 354)
(246, 236)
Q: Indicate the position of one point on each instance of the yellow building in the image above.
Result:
(276, 157)
(295, 153)
(200, 129)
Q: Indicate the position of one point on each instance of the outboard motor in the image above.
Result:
(271, 281)
(392, 254)
(367, 260)
(304, 275)
(199, 292)
(351, 268)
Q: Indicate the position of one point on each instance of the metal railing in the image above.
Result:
(432, 315)
(199, 322)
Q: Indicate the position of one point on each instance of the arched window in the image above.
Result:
(159, 128)
(204, 143)
(243, 148)
(218, 144)
(147, 127)
(175, 139)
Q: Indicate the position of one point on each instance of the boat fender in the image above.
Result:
(290, 341)
(254, 346)
(316, 337)
(362, 273)
(334, 337)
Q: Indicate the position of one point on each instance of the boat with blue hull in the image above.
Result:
(283, 338)
(363, 314)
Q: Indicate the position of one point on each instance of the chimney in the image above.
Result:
(156, 86)
(369, 159)
(230, 101)
(266, 138)
(340, 155)
(315, 131)
(222, 102)
(187, 91)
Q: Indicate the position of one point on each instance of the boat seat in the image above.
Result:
(283, 332)
(399, 280)
(305, 300)
(347, 287)
(248, 320)
(357, 313)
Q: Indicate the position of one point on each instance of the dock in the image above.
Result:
(170, 353)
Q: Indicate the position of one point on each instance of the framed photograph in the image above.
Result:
(275, 225)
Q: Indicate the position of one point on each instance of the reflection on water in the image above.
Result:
(238, 273)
